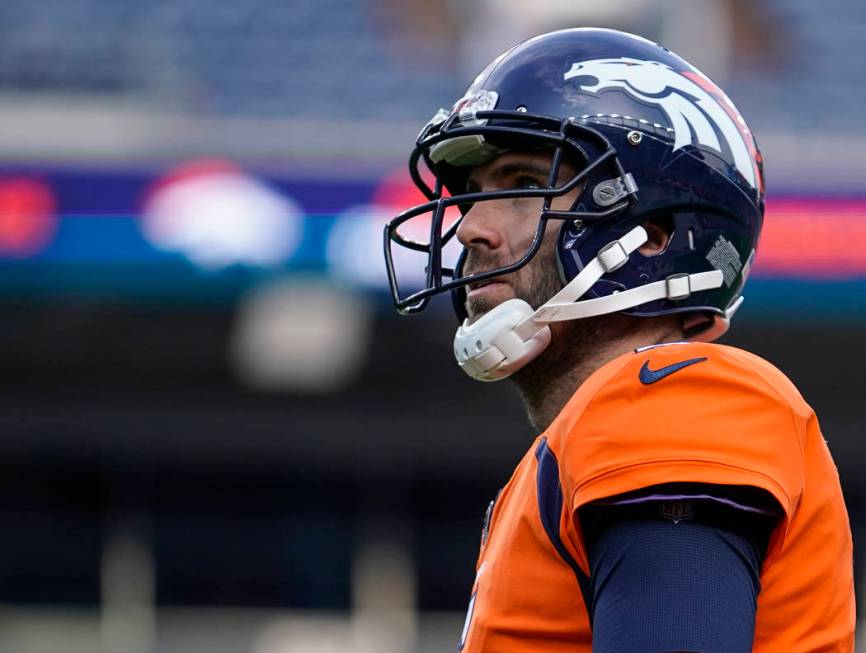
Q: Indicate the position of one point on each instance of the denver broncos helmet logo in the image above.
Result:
(698, 111)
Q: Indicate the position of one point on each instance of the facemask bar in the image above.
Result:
(561, 139)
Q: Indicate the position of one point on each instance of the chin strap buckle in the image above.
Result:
(678, 286)
(612, 256)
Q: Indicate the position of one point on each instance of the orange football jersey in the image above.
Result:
(731, 419)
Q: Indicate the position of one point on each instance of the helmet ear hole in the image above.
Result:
(660, 230)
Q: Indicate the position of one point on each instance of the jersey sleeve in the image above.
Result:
(719, 420)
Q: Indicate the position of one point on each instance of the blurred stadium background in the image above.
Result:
(216, 434)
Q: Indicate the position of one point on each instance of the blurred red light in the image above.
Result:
(397, 190)
(28, 220)
(813, 238)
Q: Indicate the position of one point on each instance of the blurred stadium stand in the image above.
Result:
(216, 434)
(265, 58)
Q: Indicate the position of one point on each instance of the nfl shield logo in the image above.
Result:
(677, 511)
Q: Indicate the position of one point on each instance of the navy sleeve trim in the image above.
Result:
(741, 497)
(549, 492)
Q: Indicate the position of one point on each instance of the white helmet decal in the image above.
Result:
(697, 109)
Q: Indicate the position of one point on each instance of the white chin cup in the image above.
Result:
(490, 349)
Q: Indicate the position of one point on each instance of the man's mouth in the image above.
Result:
(479, 284)
(481, 287)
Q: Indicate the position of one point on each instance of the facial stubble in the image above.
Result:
(550, 379)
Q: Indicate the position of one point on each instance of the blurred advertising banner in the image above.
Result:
(207, 230)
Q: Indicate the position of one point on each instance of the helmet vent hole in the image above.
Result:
(465, 352)
(478, 345)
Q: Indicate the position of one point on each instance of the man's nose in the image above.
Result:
(480, 227)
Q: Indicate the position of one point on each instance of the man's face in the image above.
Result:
(497, 233)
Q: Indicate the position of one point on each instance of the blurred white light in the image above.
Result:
(301, 335)
(221, 218)
(354, 249)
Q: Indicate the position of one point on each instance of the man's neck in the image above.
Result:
(579, 349)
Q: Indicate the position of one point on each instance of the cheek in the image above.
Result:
(521, 229)
(565, 202)
(539, 280)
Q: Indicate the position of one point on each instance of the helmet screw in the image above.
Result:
(521, 109)
(634, 138)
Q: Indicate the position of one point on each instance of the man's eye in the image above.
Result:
(528, 182)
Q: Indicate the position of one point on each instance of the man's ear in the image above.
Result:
(659, 231)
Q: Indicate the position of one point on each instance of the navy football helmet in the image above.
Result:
(656, 141)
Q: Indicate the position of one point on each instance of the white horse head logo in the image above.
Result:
(697, 109)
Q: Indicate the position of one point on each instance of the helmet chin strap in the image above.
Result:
(512, 334)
